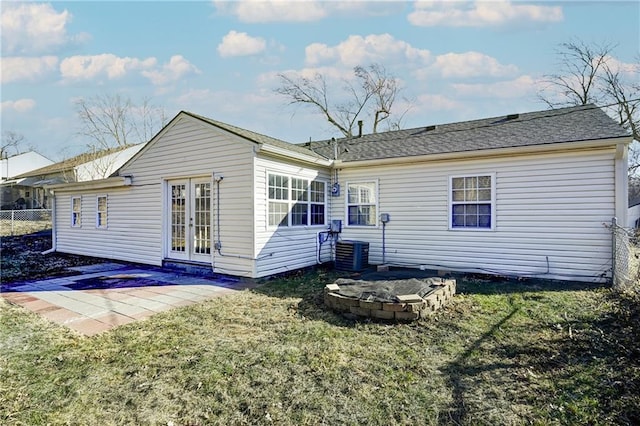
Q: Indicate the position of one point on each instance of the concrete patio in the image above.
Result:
(106, 295)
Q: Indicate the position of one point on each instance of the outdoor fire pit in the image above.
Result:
(405, 300)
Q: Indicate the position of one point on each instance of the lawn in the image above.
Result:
(502, 353)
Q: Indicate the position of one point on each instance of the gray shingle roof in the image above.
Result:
(562, 125)
(257, 137)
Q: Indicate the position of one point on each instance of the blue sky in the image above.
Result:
(457, 60)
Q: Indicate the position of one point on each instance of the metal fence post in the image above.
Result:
(12, 220)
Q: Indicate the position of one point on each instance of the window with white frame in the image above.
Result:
(362, 203)
(472, 202)
(295, 201)
(76, 212)
(101, 211)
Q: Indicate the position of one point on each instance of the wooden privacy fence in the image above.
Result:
(21, 222)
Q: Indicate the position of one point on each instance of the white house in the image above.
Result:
(633, 218)
(12, 193)
(21, 163)
(526, 194)
(93, 165)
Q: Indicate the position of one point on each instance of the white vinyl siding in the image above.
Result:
(549, 211)
(101, 211)
(137, 214)
(76, 212)
(285, 248)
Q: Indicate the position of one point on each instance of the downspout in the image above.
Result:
(211, 239)
(621, 183)
(218, 244)
(54, 236)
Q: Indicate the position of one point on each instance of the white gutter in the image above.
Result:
(111, 182)
(621, 168)
(489, 153)
(283, 152)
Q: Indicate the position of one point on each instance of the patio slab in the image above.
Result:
(106, 295)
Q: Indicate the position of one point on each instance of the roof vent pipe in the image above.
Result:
(360, 128)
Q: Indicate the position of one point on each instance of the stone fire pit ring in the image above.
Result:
(402, 300)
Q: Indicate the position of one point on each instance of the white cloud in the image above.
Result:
(29, 28)
(175, 69)
(358, 50)
(274, 10)
(629, 69)
(21, 105)
(240, 44)
(101, 66)
(22, 68)
(481, 13)
(520, 87)
(471, 64)
(430, 102)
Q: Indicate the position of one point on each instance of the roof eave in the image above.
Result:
(110, 182)
(285, 153)
(518, 150)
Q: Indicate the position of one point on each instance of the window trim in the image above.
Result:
(291, 202)
(376, 224)
(76, 223)
(106, 212)
(493, 203)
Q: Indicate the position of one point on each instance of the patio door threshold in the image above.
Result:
(189, 266)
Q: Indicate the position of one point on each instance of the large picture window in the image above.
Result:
(76, 212)
(296, 201)
(472, 202)
(362, 203)
(101, 211)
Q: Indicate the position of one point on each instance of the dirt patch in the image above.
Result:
(22, 258)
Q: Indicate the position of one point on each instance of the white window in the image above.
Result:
(296, 201)
(76, 212)
(362, 203)
(101, 211)
(472, 202)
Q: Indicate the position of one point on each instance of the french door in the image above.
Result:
(189, 233)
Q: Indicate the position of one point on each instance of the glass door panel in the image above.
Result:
(178, 225)
(201, 217)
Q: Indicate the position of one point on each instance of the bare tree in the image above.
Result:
(590, 74)
(11, 143)
(577, 82)
(112, 121)
(624, 95)
(373, 93)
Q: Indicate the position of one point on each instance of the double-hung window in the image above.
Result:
(101, 211)
(295, 201)
(76, 212)
(472, 202)
(362, 203)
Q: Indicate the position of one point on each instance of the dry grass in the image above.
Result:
(502, 353)
(22, 227)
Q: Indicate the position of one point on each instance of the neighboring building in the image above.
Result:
(29, 186)
(633, 221)
(14, 195)
(524, 195)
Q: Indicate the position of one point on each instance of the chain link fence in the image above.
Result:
(626, 257)
(21, 222)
